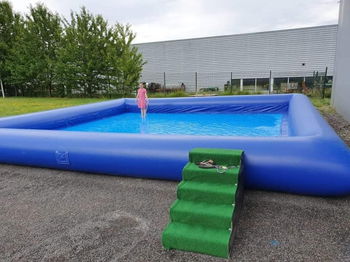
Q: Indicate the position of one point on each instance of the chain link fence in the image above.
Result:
(317, 83)
(314, 83)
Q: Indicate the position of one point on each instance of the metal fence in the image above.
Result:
(254, 82)
(317, 83)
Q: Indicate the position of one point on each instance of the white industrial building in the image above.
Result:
(341, 87)
(242, 59)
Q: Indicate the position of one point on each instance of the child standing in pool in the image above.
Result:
(142, 99)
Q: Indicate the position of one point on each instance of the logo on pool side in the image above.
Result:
(62, 157)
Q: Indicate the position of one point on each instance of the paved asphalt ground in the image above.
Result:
(52, 215)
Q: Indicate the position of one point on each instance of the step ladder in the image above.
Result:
(203, 218)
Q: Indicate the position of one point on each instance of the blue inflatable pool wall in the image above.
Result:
(309, 158)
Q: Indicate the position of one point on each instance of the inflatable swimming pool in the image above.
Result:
(309, 158)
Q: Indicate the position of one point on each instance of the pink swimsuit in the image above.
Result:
(141, 98)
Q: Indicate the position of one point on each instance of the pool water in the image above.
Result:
(187, 124)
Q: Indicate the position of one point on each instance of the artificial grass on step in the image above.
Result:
(220, 156)
(214, 193)
(202, 213)
(193, 172)
(197, 238)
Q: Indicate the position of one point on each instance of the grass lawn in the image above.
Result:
(323, 105)
(21, 105)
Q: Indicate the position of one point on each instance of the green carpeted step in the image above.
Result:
(197, 239)
(201, 213)
(220, 156)
(192, 172)
(213, 193)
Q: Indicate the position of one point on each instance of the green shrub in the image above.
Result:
(172, 94)
(178, 94)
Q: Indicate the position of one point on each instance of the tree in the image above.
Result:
(83, 55)
(129, 63)
(7, 38)
(34, 53)
(96, 59)
(42, 54)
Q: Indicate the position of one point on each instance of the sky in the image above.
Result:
(159, 20)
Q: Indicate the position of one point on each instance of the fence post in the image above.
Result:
(316, 84)
(271, 83)
(196, 81)
(2, 89)
(109, 87)
(231, 84)
(324, 83)
(164, 83)
(241, 84)
(255, 85)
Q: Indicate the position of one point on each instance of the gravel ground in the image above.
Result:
(339, 124)
(54, 215)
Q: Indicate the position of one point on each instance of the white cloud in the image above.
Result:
(156, 20)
